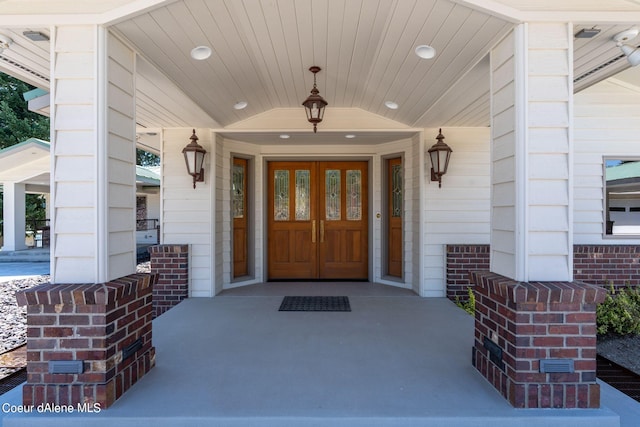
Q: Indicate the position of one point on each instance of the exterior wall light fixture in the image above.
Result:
(439, 154)
(632, 54)
(5, 42)
(314, 104)
(194, 157)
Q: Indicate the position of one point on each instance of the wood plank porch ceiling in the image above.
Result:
(262, 50)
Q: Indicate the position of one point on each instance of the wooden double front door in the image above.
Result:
(317, 220)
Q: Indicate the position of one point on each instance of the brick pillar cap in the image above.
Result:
(83, 293)
(545, 292)
(171, 248)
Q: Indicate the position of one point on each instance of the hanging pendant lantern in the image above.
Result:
(314, 104)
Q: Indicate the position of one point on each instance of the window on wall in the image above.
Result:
(622, 197)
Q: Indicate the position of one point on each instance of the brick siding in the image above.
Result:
(171, 264)
(594, 264)
(461, 259)
(533, 321)
(93, 324)
(607, 264)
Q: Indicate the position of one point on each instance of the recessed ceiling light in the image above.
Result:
(201, 52)
(5, 42)
(349, 136)
(240, 105)
(425, 51)
(391, 105)
(285, 136)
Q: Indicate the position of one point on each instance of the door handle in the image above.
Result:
(321, 231)
(313, 231)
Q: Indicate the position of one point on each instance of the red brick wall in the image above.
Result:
(607, 264)
(462, 259)
(594, 264)
(171, 264)
(92, 324)
(533, 321)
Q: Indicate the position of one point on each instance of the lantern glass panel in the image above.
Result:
(190, 158)
(199, 161)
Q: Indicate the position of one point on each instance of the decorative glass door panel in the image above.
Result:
(395, 206)
(318, 220)
(240, 214)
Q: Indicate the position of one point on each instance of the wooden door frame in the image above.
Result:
(265, 202)
(386, 215)
(251, 223)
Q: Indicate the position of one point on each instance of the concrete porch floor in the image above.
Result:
(394, 360)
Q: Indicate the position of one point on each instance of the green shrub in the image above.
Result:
(620, 312)
(470, 304)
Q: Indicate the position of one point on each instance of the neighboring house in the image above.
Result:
(531, 108)
(25, 168)
(623, 194)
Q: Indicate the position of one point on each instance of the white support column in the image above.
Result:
(47, 205)
(531, 156)
(93, 156)
(14, 216)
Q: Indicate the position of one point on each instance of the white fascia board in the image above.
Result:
(514, 15)
(494, 8)
(40, 105)
(599, 16)
(131, 10)
(111, 17)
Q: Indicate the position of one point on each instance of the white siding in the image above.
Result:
(531, 87)
(120, 153)
(93, 156)
(607, 123)
(459, 211)
(549, 169)
(503, 165)
(188, 213)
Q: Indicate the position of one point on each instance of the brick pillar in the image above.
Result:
(521, 326)
(171, 264)
(101, 332)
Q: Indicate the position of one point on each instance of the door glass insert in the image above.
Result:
(396, 191)
(332, 195)
(281, 195)
(303, 194)
(354, 195)
(238, 191)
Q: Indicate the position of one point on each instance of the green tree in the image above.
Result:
(18, 124)
(144, 158)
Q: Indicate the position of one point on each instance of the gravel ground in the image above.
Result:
(13, 319)
(624, 351)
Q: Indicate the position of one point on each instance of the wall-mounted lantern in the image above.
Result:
(439, 154)
(194, 157)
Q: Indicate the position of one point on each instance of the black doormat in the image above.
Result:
(315, 304)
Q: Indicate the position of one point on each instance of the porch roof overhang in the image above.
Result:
(29, 163)
(26, 162)
(261, 54)
(624, 180)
